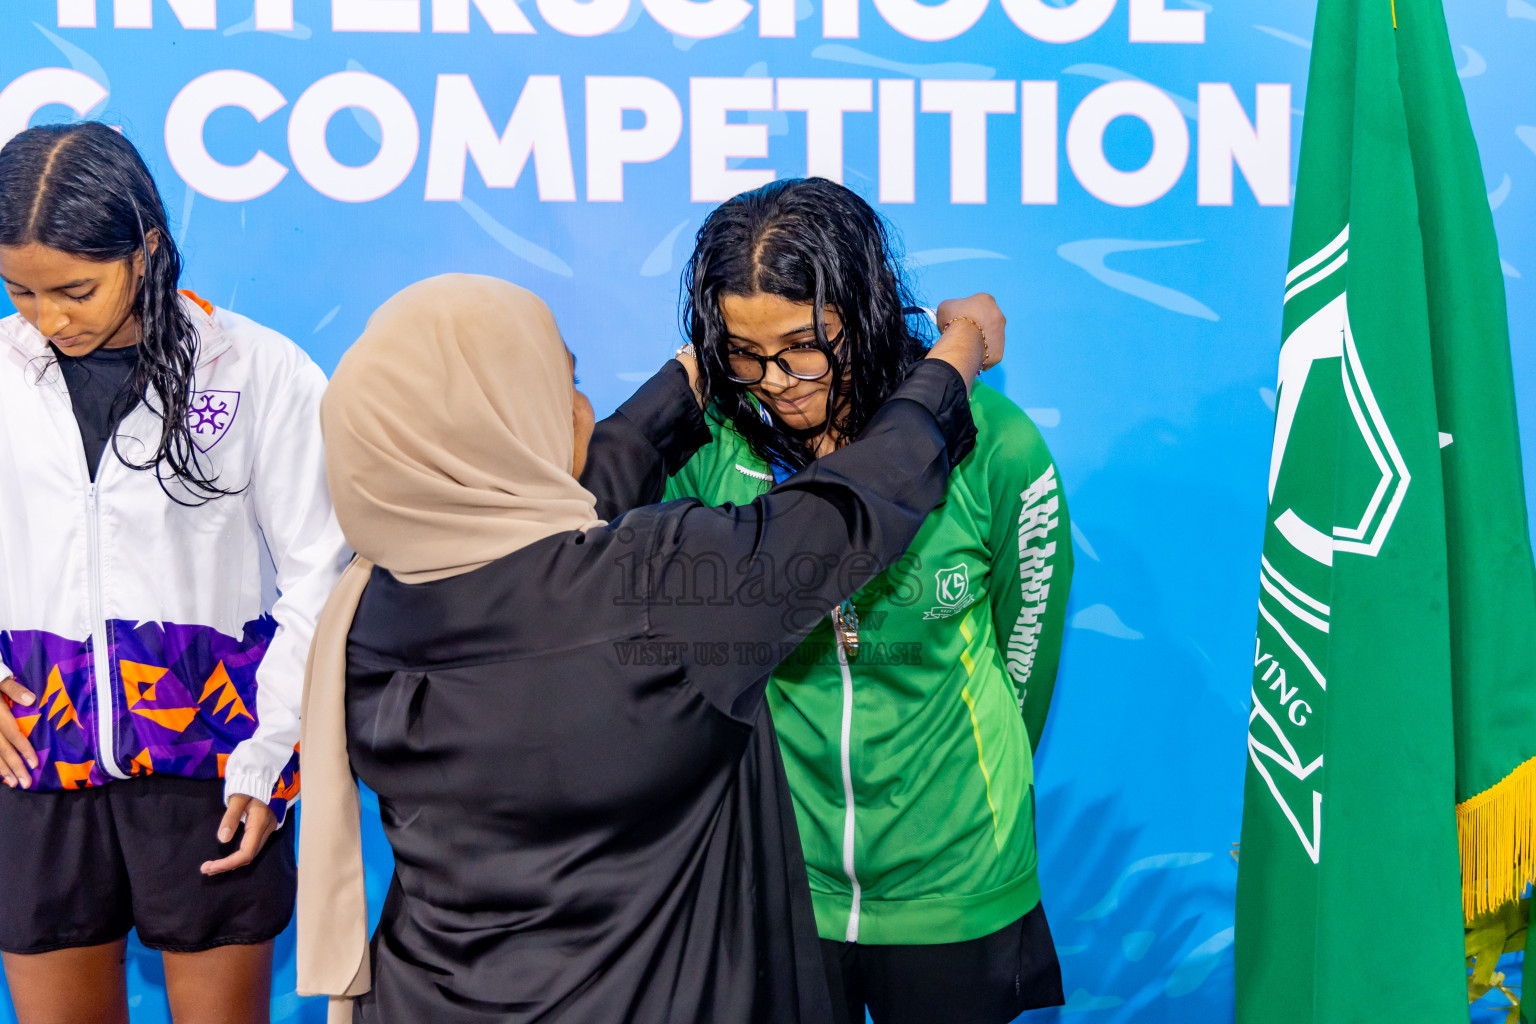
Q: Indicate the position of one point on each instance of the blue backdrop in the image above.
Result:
(1143, 310)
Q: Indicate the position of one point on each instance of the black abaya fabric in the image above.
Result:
(588, 812)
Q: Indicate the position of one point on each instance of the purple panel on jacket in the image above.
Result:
(183, 697)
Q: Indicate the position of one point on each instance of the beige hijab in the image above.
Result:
(449, 443)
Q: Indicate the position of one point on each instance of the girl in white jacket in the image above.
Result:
(156, 454)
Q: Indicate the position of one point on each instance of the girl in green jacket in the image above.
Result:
(908, 717)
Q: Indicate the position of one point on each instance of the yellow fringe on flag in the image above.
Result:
(1497, 830)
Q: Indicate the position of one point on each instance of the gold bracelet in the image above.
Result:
(985, 353)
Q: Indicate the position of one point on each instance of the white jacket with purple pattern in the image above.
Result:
(163, 637)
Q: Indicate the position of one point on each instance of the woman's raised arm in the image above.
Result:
(647, 439)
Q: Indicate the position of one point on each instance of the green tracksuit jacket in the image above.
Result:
(911, 771)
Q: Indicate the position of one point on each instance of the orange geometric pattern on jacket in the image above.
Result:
(62, 705)
(220, 683)
(143, 764)
(174, 719)
(25, 724)
(139, 680)
(73, 776)
(287, 791)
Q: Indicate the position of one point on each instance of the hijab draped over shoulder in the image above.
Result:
(449, 435)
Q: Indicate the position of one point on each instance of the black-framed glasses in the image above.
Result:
(806, 361)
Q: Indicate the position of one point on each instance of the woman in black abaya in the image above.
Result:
(574, 766)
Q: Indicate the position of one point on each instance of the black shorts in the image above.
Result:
(990, 980)
(83, 867)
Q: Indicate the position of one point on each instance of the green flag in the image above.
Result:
(1390, 778)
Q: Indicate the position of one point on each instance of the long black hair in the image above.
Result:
(808, 240)
(83, 189)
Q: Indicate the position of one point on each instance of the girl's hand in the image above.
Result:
(983, 310)
(260, 823)
(17, 758)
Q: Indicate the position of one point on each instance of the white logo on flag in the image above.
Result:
(1326, 334)
(1294, 618)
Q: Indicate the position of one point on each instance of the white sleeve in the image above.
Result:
(293, 510)
(5, 673)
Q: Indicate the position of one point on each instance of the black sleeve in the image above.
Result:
(768, 572)
(647, 439)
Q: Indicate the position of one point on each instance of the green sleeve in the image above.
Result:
(1031, 544)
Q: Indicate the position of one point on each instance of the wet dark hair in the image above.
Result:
(84, 190)
(808, 240)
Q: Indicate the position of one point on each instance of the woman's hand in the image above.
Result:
(260, 823)
(17, 758)
(983, 309)
(973, 335)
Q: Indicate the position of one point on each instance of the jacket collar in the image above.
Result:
(212, 339)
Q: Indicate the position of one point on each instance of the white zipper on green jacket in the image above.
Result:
(754, 474)
(845, 745)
